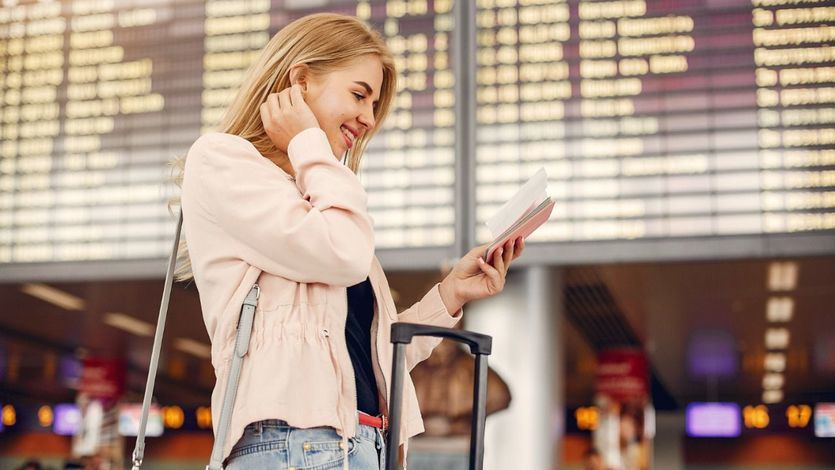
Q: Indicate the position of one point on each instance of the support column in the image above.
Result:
(668, 445)
(525, 321)
(464, 69)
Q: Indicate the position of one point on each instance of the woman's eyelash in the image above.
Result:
(359, 96)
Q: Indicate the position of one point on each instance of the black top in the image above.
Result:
(358, 337)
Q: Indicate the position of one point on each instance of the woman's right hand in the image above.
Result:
(285, 114)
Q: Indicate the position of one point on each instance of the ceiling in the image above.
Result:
(669, 305)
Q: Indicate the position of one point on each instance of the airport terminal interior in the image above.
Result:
(675, 309)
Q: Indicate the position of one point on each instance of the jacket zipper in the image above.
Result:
(378, 368)
(352, 374)
(376, 327)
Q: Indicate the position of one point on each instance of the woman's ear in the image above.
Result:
(299, 74)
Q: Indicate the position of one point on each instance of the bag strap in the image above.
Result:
(244, 332)
(241, 348)
(139, 450)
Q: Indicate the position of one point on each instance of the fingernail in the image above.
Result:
(480, 261)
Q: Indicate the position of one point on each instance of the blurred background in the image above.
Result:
(675, 312)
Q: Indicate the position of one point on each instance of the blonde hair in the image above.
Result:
(323, 42)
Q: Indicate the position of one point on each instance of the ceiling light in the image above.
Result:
(129, 324)
(776, 338)
(195, 348)
(773, 381)
(774, 362)
(782, 276)
(779, 309)
(772, 396)
(54, 296)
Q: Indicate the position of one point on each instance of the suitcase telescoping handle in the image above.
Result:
(480, 345)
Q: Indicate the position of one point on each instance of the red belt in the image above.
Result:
(379, 422)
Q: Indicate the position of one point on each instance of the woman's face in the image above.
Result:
(343, 101)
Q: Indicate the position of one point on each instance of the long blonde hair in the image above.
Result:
(322, 41)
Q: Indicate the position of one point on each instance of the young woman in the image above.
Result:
(267, 201)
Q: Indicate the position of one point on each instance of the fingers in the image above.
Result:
(498, 259)
(515, 250)
(508, 253)
(284, 100)
(491, 272)
(265, 114)
(296, 97)
(272, 101)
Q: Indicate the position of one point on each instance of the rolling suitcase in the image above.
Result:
(480, 345)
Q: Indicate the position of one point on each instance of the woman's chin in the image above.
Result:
(338, 149)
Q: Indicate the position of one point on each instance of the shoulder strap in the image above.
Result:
(241, 348)
(139, 450)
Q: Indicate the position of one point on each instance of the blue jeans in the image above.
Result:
(275, 445)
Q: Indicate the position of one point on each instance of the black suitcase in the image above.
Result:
(480, 345)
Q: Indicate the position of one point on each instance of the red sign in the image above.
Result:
(622, 374)
(102, 379)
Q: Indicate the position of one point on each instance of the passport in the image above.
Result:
(522, 214)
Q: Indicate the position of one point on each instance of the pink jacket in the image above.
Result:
(304, 243)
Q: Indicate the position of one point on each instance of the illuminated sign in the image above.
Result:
(756, 417)
(825, 420)
(9, 415)
(129, 418)
(798, 415)
(713, 420)
(173, 417)
(587, 418)
(204, 417)
(712, 353)
(67, 419)
(659, 119)
(45, 416)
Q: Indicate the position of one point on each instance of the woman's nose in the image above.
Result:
(366, 118)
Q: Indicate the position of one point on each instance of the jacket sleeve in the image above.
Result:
(430, 310)
(322, 235)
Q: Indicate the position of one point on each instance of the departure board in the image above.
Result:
(682, 118)
(408, 169)
(679, 118)
(98, 96)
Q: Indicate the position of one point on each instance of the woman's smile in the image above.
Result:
(349, 135)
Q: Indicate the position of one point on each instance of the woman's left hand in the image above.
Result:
(472, 278)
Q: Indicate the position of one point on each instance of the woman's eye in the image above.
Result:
(358, 96)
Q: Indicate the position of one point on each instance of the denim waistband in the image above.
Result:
(269, 423)
(363, 430)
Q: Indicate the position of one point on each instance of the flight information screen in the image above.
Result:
(680, 118)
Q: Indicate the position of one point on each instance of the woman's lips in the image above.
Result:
(348, 141)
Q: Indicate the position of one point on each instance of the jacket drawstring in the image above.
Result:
(338, 371)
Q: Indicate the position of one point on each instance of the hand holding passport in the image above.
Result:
(523, 213)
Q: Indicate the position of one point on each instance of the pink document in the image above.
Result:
(523, 227)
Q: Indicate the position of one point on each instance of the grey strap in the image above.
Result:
(139, 450)
(244, 331)
(241, 348)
